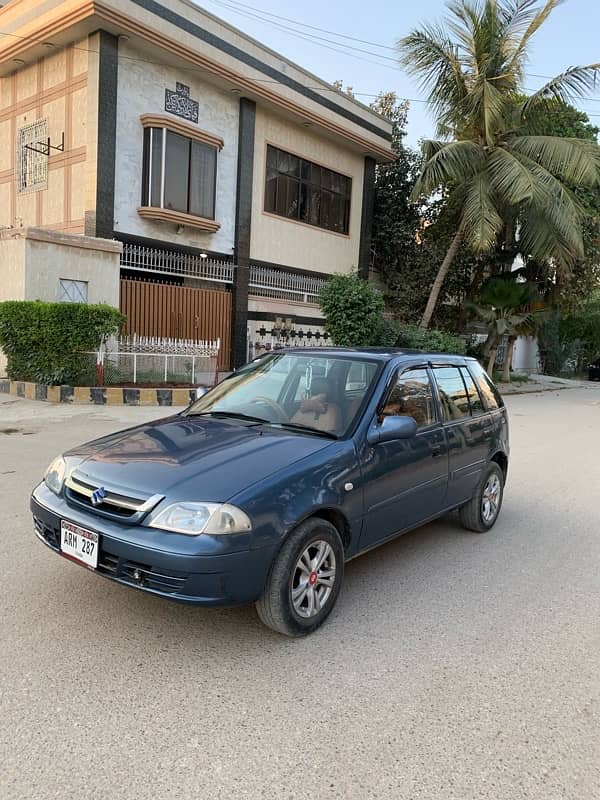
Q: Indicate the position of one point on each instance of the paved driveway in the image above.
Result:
(455, 665)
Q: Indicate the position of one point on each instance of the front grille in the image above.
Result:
(49, 534)
(138, 574)
(145, 575)
(108, 563)
(114, 504)
(133, 572)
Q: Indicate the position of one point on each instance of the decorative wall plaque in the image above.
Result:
(180, 103)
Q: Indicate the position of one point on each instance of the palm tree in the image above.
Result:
(505, 307)
(510, 184)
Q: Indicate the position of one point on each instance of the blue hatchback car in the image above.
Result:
(263, 488)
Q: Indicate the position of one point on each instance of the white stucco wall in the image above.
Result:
(526, 355)
(33, 260)
(282, 241)
(141, 90)
(47, 263)
(12, 269)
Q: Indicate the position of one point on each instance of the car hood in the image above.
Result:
(192, 458)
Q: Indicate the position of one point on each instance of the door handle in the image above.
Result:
(436, 450)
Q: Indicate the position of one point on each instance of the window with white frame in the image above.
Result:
(179, 174)
(73, 291)
(32, 156)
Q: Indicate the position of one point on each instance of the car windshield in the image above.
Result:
(318, 394)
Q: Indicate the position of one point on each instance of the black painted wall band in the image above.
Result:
(251, 61)
(243, 225)
(366, 221)
(107, 134)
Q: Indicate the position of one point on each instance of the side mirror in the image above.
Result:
(392, 429)
(200, 392)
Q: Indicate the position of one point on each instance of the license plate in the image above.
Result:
(79, 543)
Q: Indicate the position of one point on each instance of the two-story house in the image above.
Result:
(230, 180)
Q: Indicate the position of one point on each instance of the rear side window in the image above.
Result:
(491, 395)
(453, 393)
(472, 393)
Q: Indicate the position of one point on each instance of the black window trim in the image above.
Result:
(348, 196)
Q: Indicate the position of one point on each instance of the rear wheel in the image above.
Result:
(305, 580)
(481, 512)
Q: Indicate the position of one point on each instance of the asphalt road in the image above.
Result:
(454, 666)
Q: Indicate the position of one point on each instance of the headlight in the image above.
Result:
(55, 475)
(197, 518)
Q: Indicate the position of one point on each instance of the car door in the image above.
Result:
(405, 481)
(468, 430)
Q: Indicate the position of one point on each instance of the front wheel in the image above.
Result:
(481, 512)
(305, 580)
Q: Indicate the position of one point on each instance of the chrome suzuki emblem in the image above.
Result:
(98, 496)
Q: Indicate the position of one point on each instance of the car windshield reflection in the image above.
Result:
(298, 392)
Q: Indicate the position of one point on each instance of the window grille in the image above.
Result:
(32, 164)
(73, 291)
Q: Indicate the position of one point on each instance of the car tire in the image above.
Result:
(481, 512)
(301, 592)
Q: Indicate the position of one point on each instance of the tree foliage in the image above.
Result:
(510, 181)
(409, 240)
(505, 306)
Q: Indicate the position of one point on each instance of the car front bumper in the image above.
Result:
(223, 579)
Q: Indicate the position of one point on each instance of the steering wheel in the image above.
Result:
(281, 414)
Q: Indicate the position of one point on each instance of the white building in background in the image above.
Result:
(230, 180)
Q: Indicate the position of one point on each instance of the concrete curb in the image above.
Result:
(97, 395)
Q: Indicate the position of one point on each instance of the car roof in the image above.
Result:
(375, 353)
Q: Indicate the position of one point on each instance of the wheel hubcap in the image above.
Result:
(313, 579)
(491, 498)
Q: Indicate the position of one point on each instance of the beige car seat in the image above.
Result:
(328, 420)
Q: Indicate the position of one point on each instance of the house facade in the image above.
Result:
(229, 181)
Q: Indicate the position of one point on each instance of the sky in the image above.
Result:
(569, 37)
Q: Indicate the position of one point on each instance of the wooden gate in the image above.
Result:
(179, 312)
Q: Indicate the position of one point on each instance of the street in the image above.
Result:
(455, 665)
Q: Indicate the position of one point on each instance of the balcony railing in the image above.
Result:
(271, 282)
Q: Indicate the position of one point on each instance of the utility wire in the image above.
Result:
(312, 27)
(199, 70)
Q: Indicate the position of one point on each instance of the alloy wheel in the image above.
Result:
(313, 579)
(491, 499)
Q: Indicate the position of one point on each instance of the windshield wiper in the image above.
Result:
(232, 415)
(297, 427)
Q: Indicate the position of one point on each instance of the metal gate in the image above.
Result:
(178, 312)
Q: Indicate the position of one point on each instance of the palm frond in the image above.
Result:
(431, 56)
(559, 207)
(513, 181)
(575, 161)
(566, 87)
(531, 20)
(447, 162)
(465, 23)
(539, 238)
(481, 221)
(518, 16)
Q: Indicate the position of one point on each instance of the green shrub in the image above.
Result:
(352, 310)
(43, 341)
(395, 334)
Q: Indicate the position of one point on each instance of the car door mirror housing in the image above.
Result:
(392, 429)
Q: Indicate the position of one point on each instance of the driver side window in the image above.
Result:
(412, 396)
